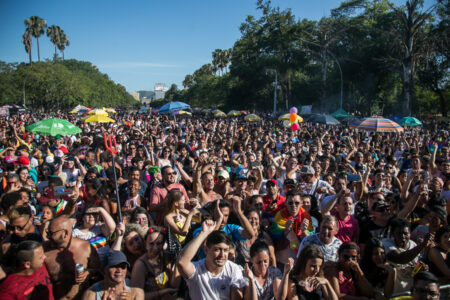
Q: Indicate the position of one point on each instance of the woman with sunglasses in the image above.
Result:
(115, 284)
(153, 272)
(346, 275)
(93, 230)
(377, 270)
(306, 280)
(164, 157)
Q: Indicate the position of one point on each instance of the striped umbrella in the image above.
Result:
(377, 124)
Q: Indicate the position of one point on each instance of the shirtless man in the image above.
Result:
(204, 184)
(62, 253)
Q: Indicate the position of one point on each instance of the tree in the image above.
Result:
(27, 42)
(36, 27)
(410, 36)
(54, 34)
(63, 42)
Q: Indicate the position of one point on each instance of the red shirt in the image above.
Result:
(27, 287)
(267, 200)
(348, 228)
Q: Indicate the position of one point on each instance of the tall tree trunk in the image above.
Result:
(39, 56)
(442, 102)
(29, 55)
(323, 92)
(289, 90)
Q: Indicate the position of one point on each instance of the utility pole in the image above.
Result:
(275, 86)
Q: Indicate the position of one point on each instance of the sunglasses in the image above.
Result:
(19, 228)
(122, 266)
(350, 257)
(292, 203)
(171, 173)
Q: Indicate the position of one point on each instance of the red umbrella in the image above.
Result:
(377, 124)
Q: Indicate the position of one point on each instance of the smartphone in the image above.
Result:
(353, 177)
(255, 164)
(62, 191)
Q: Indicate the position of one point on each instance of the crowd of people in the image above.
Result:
(204, 208)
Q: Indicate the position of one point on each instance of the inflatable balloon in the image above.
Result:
(293, 117)
(293, 110)
(295, 126)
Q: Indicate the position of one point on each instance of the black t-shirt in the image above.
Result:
(370, 230)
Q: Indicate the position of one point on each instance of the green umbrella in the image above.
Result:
(340, 114)
(410, 121)
(53, 127)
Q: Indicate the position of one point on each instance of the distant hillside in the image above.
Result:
(61, 84)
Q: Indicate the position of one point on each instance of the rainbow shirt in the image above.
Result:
(278, 226)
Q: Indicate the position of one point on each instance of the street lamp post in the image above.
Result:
(275, 85)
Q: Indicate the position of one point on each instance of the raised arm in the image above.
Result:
(184, 263)
(248, 229)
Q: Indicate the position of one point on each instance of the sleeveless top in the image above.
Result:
(346, 284)
(303, 294)
(99, 287)
(154, 282)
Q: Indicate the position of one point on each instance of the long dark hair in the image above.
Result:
(367, 264)
(310, 251)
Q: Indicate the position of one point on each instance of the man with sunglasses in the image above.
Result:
(21, 226)
(115, 285)
(425, 286)
(156, 203)
(290, 224)
(63, 252)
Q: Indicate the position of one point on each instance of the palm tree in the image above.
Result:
(36, 27)
(27, 42)
(63, 42)
(54, 34)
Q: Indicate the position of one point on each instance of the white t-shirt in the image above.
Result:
(404, 278)
(204, 285)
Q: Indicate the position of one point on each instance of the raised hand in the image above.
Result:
(289, 265)
(248, 272)
(208, 226)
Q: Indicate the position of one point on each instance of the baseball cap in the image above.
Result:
(308, 170)
(49, 159)
(242, 177)
(23, 160)
(272, 181)
(115, 258)
(224, 174)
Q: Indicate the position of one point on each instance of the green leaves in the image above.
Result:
(61, 84)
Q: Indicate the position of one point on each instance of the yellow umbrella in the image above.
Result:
(97, 111)
(73, 111)
(234, 113)
(286, 117)
(98, 119)
(110, 110)
(252, 118)
(219, 114)
(183, 112)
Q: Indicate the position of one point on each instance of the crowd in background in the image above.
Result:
(222, 209)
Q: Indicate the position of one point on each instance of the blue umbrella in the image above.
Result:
(172, 106)
(323, 119)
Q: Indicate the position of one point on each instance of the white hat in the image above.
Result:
(49, 159)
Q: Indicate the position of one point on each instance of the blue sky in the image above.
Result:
(140, 43)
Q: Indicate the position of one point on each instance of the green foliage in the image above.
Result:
(61, 84)
(369, 39)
